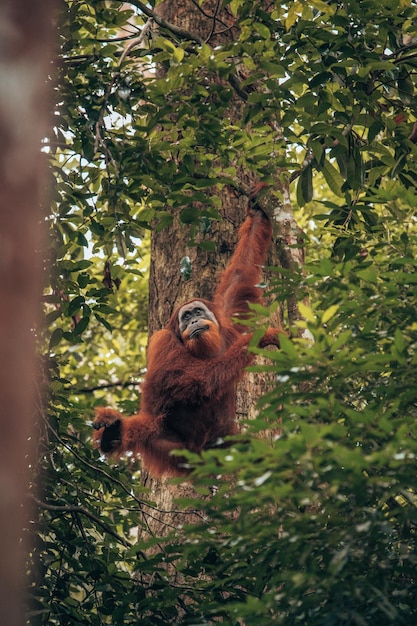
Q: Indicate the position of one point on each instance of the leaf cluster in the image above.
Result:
(317, 522)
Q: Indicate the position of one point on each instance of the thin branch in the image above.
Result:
(80, 58)
(181, 33)
(117, 39)
(233, 81)
(116, 481)
(82, 511)
(123, 384)
(213, 25)
(99, 124)
(92, 467)
(398, 52)
(208, 15)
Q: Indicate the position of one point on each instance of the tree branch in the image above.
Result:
(116, 481)
(120, 383)
(181, 33)
(68, 508)
(175, 30)
(213, 25)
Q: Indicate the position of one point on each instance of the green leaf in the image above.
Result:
(52, 317)
(76, 266)
(103, 321)
(190, 216)
(83, 280)
(75, 305)
(368, 274)
(307, 313)
(399, 340)
(178, 55)
(81, 325)
(55, 338)
(262, 30)
(329, 313)
(305, 186)
(164, 219)
(82, 240)
(295, 8)
(333, 178)
(355, 174)
(317, 149)
(208, 245)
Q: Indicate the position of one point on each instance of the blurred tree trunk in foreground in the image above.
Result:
(25, 32)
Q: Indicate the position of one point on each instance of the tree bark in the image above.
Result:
(168, 289)
(25, 54)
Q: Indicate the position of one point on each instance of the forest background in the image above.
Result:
(162, 118)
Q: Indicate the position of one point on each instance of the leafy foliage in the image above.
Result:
(318, 526)
(325, 519)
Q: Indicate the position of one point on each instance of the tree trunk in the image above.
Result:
(167, 287)
(24, 57)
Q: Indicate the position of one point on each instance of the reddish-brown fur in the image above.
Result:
(189, 393)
